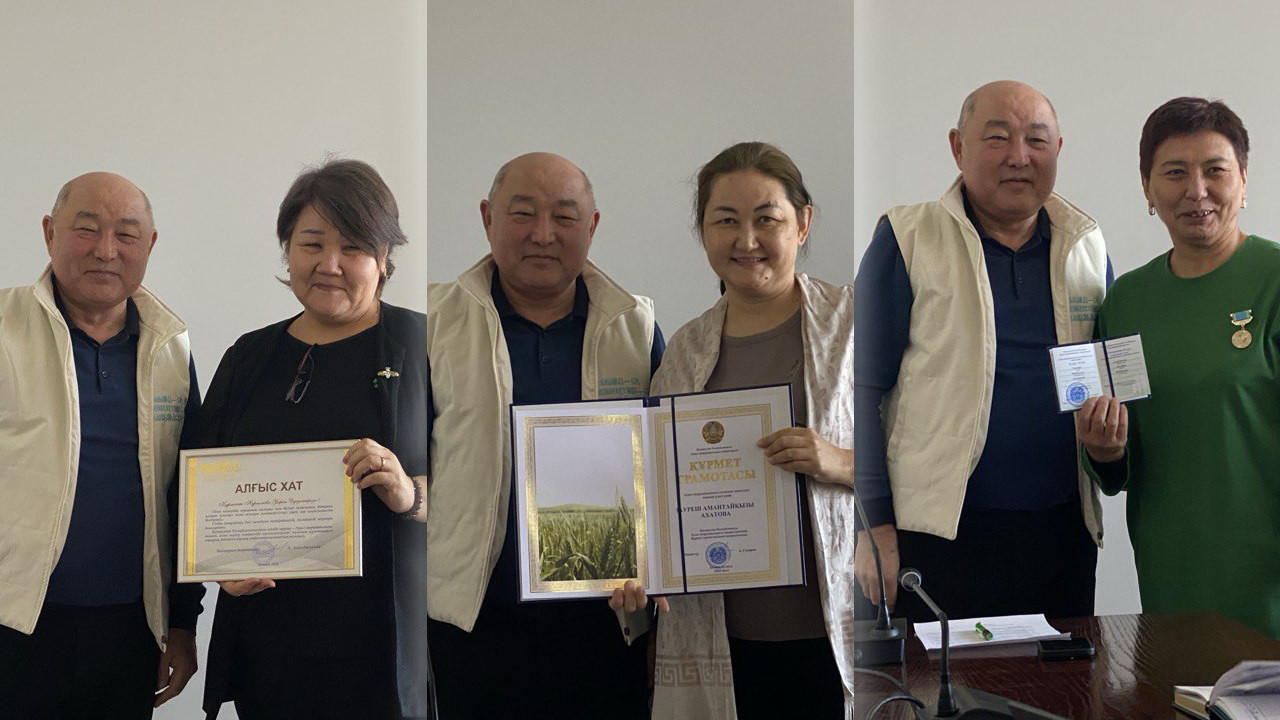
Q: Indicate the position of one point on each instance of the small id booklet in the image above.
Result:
(1114, 367)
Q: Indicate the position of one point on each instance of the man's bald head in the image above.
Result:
(1001, 89)
(1006, 148)
(539, 161)
(99, 236)
(117, 183)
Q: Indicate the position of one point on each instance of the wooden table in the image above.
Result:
(1138, 661)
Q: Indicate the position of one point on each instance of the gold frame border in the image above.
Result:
(764, 412)
(634, 422)
(349, 500)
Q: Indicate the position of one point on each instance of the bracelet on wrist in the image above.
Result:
(412, 512)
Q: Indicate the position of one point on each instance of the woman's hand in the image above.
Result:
(252, 586)
(801, 450)
(631, 597)
(369, 465)
(1103, 426)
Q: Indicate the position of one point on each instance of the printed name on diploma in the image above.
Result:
(719, 510)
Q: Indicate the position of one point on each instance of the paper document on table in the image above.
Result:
(1006, 630)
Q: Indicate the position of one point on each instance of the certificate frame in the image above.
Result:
(205, 467)
(662, 466)
(735, 512)
(533, 520)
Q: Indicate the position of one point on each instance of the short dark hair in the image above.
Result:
(761, 157)
(352, 196)
(1187, 116)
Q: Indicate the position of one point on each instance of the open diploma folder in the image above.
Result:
(1114, 367)
(671, 493)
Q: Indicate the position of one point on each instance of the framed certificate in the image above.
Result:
(270, 511)
(672, 493)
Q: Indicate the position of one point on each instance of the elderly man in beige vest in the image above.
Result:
(533, 321)
(97, 391)
(968, 471)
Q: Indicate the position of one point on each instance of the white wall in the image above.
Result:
(212, 109)
(1106, 66)
(640, 95)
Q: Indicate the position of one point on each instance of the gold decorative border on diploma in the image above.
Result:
(670, 579)
(349, 496)
(348, 520)
(193, 469)
(531, 424)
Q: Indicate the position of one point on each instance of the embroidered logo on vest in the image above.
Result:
(621, 387)
(1084, 308)
(168, 408)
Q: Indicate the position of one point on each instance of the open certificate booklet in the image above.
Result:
(672, 493)
(1114, 367)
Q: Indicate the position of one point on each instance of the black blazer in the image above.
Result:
(402, 346)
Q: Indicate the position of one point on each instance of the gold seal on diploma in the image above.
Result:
(713, 432)
(1241, 338)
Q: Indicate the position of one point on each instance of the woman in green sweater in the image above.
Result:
(1200, 458)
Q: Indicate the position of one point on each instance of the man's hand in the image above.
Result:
(801, 450)
(864, 563)
(631, 597)
(1103, 426)
(177, 665)
(240, 588)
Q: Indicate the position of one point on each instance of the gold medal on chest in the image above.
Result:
(1241, 338)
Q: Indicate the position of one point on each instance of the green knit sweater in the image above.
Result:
(1203, 470)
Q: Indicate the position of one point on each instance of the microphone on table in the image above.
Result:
(911, 580)
(879, 641)
(960, 701)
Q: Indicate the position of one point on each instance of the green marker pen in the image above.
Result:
(985, 633)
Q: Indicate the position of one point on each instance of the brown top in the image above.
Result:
(788, 613)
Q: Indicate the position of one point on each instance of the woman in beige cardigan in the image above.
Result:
(735, 654)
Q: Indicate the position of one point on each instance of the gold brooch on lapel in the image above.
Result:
(386, 373)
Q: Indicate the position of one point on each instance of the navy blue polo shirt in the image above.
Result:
(101, 561)
(546, 367)
(1028, 461)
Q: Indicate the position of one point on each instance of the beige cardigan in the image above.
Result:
(694, 678)
(470, 477)
(936, 416)
(40, 442)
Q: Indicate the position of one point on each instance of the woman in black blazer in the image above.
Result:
(347, 366)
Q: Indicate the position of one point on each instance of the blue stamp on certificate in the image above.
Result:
(264, 551)
(1077, 393)
(717, 554)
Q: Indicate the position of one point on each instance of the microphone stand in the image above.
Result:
(960, 701)
(879, 641)
(910, 578)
